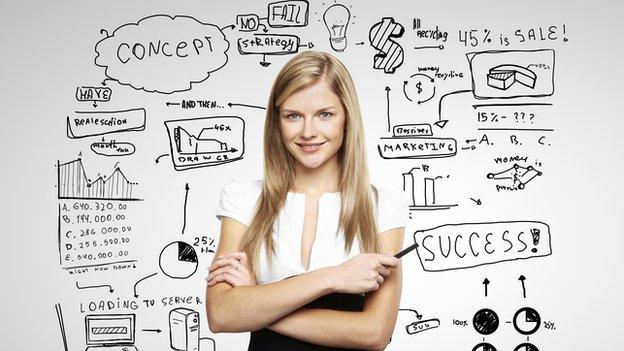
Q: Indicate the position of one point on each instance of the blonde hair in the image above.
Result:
(357, 218)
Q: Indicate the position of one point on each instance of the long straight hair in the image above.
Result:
(357, 218)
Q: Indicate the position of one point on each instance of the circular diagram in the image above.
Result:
(484, 346)
(485, 321)
(178, 260)
(526, 321)
(526, 347)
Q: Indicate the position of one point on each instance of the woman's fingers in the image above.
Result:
(384, 272)
(226, 277)
(223, 262)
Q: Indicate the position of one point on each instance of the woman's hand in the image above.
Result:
(233, 269)
(362, 273)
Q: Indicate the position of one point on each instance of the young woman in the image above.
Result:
(305, 257)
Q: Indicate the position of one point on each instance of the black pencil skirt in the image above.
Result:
(268, 340)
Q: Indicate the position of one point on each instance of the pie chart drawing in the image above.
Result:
(526, 321)
(526, 347)
(484, 346)
(178, 260)
(485, 321)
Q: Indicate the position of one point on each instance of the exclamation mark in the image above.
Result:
(565, 40)
(535, 234)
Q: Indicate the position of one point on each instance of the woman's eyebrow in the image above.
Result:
(317, 111)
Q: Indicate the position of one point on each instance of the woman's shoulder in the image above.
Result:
(240, 186)
(392, 207)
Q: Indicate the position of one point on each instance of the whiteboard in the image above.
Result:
(501, 122)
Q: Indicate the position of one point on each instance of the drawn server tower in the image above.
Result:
(184, 329)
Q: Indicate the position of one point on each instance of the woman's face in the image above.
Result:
(312, 121)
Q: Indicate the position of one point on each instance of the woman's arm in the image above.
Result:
(369, 329)
(252, 307)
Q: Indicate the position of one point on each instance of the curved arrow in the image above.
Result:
(110, 288)
(140, 280)
(405, 91)
(158, 158)
(442, 122)
(421, 74)
(418, 315)
(432, 95)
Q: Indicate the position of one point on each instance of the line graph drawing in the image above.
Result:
(205, 141)
(73, 183)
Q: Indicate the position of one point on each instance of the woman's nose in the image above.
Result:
(309, 128)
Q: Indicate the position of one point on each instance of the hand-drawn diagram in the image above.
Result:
(281, 14)
(420, 325)
(512, 73)
(113, 148)
(98, 230)
(484, 346)
(485, 321)
(520, 177)
(184, 329)
(109, 331)
(423, 189)
(467, 245)
(93, 94)
(91, 123)
(336, 19)
(206, 141)
(425, 89)
(181, 50)
(73, 183)
(382, 37)
(526, 321)
(178, 260)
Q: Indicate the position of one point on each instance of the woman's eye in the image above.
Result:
(292, 116)
(326, 114)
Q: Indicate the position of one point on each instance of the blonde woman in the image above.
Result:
(305, 257)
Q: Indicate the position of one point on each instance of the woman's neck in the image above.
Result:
(315, 181)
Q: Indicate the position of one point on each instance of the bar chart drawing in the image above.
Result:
(423, 190)
(73, 183)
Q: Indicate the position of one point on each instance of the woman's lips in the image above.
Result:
(311, 147)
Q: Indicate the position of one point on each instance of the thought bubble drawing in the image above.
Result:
(162, 54)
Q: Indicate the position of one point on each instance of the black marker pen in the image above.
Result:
(406, 250)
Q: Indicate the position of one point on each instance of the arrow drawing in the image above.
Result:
(140, 280)
(522, 279)
(110, 288)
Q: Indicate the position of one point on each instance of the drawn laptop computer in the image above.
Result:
(110, 332)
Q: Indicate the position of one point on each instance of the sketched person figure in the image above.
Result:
(305, 258)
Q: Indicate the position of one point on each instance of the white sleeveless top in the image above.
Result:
(239, 197)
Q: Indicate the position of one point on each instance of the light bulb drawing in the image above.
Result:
(336, 19)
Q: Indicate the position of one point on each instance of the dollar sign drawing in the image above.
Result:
(381, 37)
(418, 85)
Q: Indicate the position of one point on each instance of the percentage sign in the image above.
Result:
(487, 36)
(494, 117)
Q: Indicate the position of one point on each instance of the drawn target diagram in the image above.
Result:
(520, 176)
